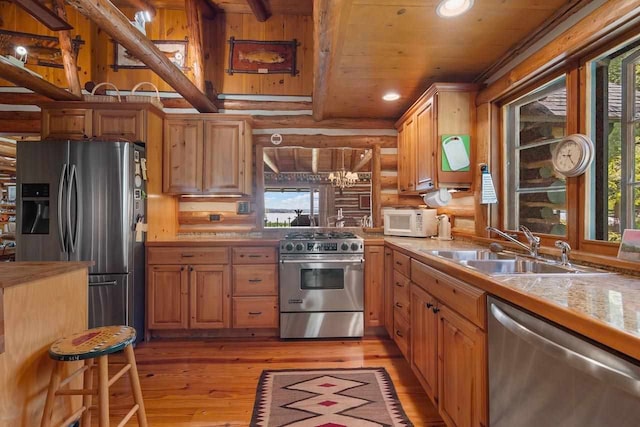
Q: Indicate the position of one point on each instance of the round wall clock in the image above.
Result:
(573, 155)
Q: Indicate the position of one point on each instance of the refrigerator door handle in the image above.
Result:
(63, 240)
(73, 237)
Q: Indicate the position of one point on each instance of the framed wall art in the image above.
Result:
(175, 50)
(262, 57)
(41, 50)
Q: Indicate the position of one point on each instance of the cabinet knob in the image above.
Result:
(399, 334)
(429, 305)
(435, 310)
(255, 280)
(182, 268)
(398, 305)
(190, 268)
(255, 313)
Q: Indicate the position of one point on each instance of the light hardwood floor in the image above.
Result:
(213, 383)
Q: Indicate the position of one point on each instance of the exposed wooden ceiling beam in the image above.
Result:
(296, 160)
(113, 22)
(269, 162)
(259, 9)
(315, 154)
(326, 22)
(43, 14)
(194, 28)
(207, 9)
(143, 5)
(367, 157)
(21, 77)
(277, 158)
(354, 158)
(68, 58)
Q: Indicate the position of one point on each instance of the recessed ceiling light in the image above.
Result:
(391, 96)
(451, 8)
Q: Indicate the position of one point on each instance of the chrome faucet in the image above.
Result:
(534, 241)
(564, 254)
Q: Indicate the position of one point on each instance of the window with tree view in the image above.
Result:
(536, 194)
(614, 111)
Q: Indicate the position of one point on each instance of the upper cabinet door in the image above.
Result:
(425, 146)
(182, 156)
(407, 157)
(119, 124)
(66, 123)
(224, 157)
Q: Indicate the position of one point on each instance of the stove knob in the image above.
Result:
(344, 247)
(289, 247)
(299, 247)
(355, 246)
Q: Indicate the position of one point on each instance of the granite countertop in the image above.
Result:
(605, 308)
(17, 273)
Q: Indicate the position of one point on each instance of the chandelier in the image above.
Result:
(342, 178)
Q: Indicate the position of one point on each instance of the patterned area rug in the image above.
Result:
(327, 398)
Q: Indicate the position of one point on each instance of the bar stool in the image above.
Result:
(89, 345)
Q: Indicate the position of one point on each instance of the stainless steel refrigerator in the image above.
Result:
(80, 201)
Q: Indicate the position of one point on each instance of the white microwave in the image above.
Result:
(410, 222)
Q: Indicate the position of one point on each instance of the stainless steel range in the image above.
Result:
(321, 285)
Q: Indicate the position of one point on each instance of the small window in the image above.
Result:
(613, 192)
(291, 207)
(536, 194)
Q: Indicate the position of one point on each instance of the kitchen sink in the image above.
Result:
(501, 263)
(517, 266)
(471, 255)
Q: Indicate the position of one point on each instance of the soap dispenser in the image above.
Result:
(444, 227)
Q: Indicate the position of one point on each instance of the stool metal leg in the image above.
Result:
(86, 399)
(135, 386)
(103, 390)
(54, 383)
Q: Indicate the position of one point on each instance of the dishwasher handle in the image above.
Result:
(624, 380)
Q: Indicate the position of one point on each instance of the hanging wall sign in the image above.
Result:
(262, 57)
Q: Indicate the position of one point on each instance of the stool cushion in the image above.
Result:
(95, 342)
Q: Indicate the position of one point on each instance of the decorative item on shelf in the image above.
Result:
(155, 100)
(342, 178)
(92, 97)
(262, 57)
(175, 50)
(573, 155)
(437, 198)
(292, 178)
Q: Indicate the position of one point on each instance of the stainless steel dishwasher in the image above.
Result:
(542, 375)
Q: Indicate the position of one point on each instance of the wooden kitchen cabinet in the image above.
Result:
(66, 123)
(388, 290)
(208, 154)
(374, 285)
(182, 166)
(444, 109)
(210, 297)
(79, 120)
(424, 341)
(462, 364)
(167, 297)
(116, 124)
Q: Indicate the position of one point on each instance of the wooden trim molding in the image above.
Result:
(598, 28)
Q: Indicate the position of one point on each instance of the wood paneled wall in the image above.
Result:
(243, 26)
(13, 18)
(168, 24)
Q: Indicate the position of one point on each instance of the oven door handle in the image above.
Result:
(323, 261)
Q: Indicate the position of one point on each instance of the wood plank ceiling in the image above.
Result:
(294, 159)
(403, 46)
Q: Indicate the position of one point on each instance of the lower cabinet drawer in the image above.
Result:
(261, 279)
(402, 302)
(187, 255)
(255, 312)
(401, 332)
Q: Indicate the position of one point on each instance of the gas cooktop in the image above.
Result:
(316, 235)
(314, 242)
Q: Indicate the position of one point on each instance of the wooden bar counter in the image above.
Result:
(39, 303)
